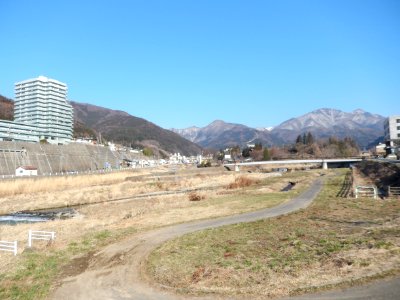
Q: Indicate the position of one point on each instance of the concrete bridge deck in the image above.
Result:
(324, 162)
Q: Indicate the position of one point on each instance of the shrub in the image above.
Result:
(193, 196)
(241, 182)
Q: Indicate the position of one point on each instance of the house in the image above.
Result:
(26, 171)
(380, 150)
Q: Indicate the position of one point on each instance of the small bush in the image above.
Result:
(193, 196)
(241, 182)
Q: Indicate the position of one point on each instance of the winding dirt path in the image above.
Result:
(116, 271)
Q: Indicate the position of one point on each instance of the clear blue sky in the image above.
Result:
(183, 63)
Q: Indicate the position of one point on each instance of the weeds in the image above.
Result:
(193, 196)
(334, 240)
(242, 182)
(39, 269)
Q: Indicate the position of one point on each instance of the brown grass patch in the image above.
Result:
(242, 182)
(194, 196)
(136, 215)
(333, 242)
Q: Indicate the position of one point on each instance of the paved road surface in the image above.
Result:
(115, 272)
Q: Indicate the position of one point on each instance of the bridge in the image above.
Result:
(324, 162)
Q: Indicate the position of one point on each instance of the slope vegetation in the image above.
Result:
(119, 126)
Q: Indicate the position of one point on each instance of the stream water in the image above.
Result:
(37, 216)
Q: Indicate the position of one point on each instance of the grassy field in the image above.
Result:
(335, 241)
(32, 273)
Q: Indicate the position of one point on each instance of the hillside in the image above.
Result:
(121, 127)
(6, 108)
(365, 128)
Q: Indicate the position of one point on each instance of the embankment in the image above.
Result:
(59, 158)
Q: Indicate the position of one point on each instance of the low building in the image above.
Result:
(18, 131)
(380, 149)
(26, 171)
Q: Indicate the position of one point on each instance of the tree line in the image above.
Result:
(305, 146)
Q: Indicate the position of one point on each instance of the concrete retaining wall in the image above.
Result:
(56, 159)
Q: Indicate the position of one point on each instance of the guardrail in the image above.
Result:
(9, 246)
(40, 235)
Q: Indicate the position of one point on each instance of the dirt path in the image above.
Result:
(115, 272)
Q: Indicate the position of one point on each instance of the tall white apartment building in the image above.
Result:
(42, 103)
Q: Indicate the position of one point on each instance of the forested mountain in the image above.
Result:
(121, 127)
(365, 128)
(118, 127)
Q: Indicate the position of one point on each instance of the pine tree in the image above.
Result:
(309, 139)
(299, 139)
(266, 155)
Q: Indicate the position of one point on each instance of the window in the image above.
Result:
(398, 121)
(398, 127)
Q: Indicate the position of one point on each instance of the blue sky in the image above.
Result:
(183, 63)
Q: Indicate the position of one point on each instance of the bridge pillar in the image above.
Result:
(237, 169)
(324, 165)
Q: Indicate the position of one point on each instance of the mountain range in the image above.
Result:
(220, 134)
(120, 127)
(365, 128)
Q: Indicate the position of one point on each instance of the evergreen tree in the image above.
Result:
(309, 139)
(266, 155)
(246, 152)
(299, 139)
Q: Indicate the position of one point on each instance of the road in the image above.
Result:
(116, 272)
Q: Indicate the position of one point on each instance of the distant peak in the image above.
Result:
(265, 128)
(326, 110)
(217, 122)
(358, 111)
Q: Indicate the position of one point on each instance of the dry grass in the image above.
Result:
(128, 215)
(242, 182)
(336, 240)
(193, 196)
(50, 184)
